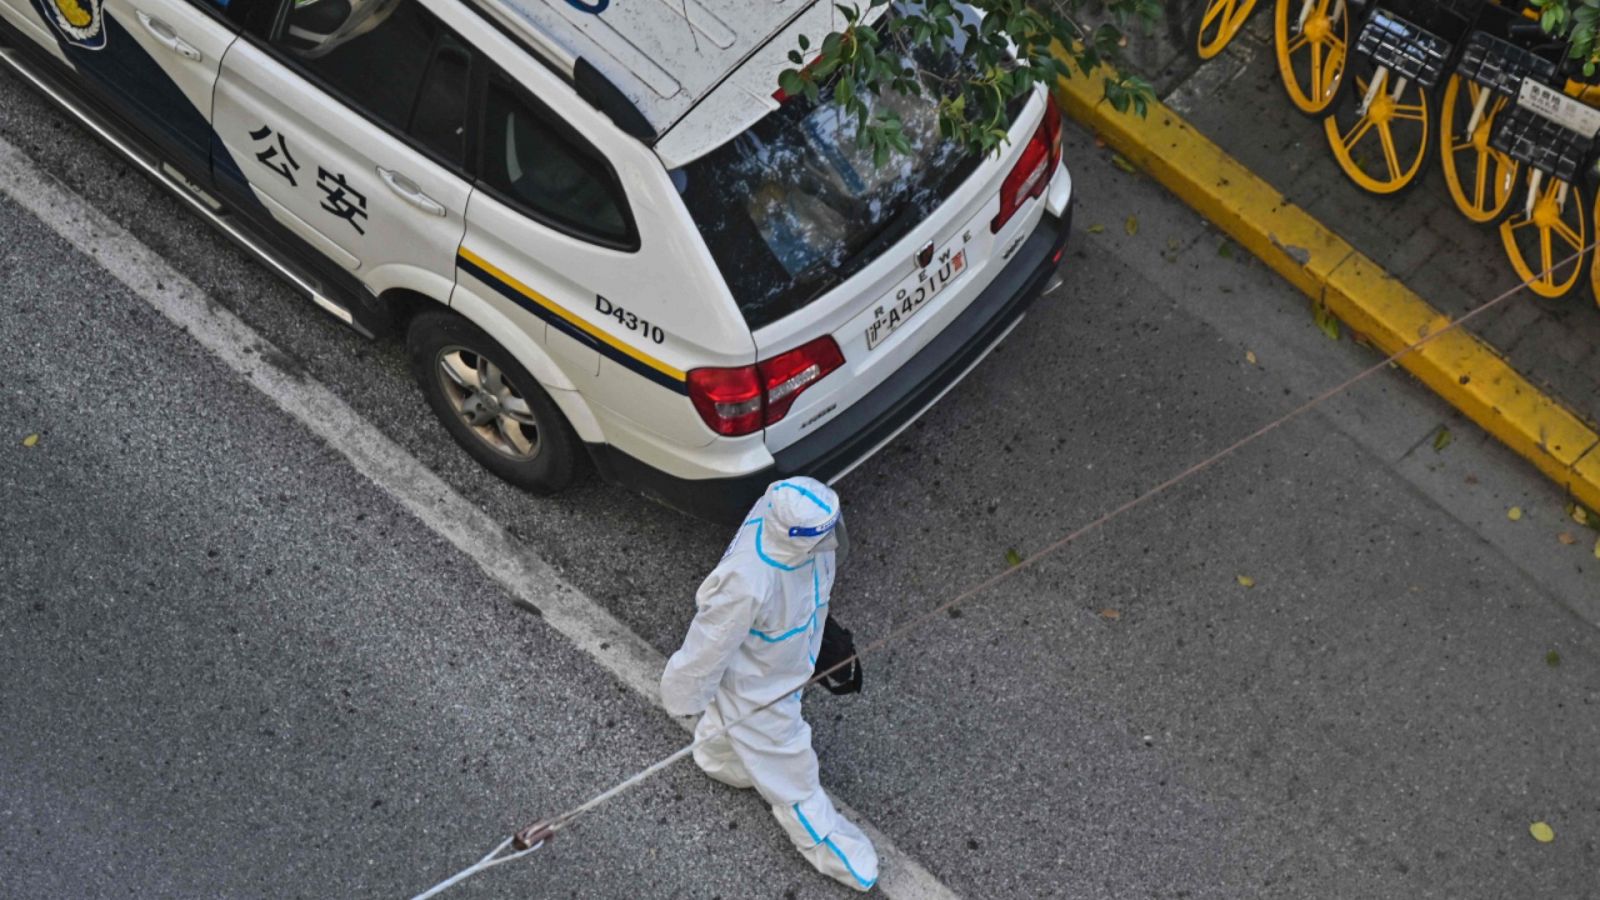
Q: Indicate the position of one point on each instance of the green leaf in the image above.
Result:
(1013, 558)
(791, 83)
(1552, 659)
(1225, 250)
(844, 91)
(1442, 439)
(1326, 321)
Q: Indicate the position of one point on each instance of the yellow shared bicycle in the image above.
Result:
(1311, 39)
(1210, 25)
(1381, 124)
(1505, 47)
(1550, 132)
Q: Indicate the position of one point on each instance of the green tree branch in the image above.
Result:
(996, 58)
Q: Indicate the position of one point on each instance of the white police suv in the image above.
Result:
(605, 232)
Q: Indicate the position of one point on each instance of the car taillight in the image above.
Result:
(743, 400)
(1032, 173)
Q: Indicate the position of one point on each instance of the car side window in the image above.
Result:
(549, 171)
(439, 117)
(390, 58)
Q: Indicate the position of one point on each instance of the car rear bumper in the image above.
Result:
(855, 434)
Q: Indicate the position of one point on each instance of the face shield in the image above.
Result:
(832, 537)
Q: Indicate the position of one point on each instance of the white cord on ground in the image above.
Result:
(535, 835)
(487, 862)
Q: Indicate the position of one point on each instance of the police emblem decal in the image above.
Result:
(79, 22)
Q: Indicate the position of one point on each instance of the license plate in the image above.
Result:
(913, 294)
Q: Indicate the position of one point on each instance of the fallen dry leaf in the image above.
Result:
(1566, 537)
(1542, 832)
(1250, 357)
(1514, 514)
(1110, 614)
(1095, 229)
(1246, 581)
(30, 440)
(1597, 548)
(1131, 226)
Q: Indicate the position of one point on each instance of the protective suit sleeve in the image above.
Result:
(726, 609)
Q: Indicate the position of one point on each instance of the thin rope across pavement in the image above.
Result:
(531, 837)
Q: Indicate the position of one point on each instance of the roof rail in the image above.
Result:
(590, 83)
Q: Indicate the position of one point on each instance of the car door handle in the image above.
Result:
(410, 193)
(168, 38)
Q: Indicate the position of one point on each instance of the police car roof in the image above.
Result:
(664, 56)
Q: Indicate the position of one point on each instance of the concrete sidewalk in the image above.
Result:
(1417, 237)
(1228, 143)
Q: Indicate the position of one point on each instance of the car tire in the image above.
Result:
(489, 403)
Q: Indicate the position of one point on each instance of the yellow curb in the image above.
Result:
(1468, 373)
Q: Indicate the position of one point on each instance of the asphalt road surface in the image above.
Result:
(235, 661)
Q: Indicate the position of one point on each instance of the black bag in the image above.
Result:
(838, 646)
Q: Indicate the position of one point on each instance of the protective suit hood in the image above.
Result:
(799, 517)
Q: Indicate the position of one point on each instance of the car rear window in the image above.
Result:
(794, 205)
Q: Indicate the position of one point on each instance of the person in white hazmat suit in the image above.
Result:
(754, 638)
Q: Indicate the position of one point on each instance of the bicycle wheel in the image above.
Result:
(1383, 148)
(1218, 23)
(1548, 248)
(1594, 270)
(1481, 179)
(1311, 38)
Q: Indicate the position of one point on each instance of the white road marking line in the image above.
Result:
(521, 571)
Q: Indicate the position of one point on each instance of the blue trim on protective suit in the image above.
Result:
(805, 493)
(799, 629)
(767, 559)
(828, 842)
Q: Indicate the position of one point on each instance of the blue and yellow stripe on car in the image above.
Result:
(567, 322)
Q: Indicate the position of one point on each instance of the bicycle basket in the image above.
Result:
(1500, 65)
(1549, 146)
